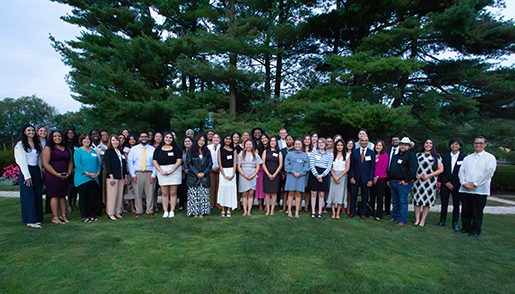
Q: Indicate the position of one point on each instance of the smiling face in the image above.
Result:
(57, 138)
(273, 142)
(350, 145)
(283, 134)
(86, 142)
(132, 141)
(479, 145)
(227, 141)
(379, 147)
(210, 135)
(298, 145)
(245, 136)
(122, 139)
(70, 135)
(143, 138)
(321, 145)
(248, 145)
(329, 142)
(201, 142)
(104, 137)
(168, 139)
(187, 143)
(158, 137)
(395, 141)
(428, 145)
(404, 147)
(289, 141)
(236, 139)
(455, 147)
(125, 133)
(363, 141)
(30, 132)
(216, 139)
(314, 139)
(307, 140)
(339, 146)
(115, 142)
(257, 134)
(264, 140)
(95, 135)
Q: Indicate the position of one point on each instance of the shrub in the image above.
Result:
(503, 178)
(6, 158)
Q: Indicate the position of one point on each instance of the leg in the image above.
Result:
(138, 193)
(479, 206)
(333, 210)
(62, 204)
(290, 200)
(274, 200)
(149, 190)
(403, 202)
(425, 212)
(321, 201)
(444, 196)
(364, 199)
(381, 187)
(244, 202)
(313, 201)
(307, 197)
(250, 199)
(387, 200)
(267, 203)
(119, 198)
(173, 197)
(455, 206)
(354, 199)
(298, 203)
(165, 197)
(338, 211)
(54, 201)
(417, 215)
(285, 197)
(372, 200)
(110, 198)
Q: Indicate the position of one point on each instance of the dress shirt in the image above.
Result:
(281, 143)
(454, 159)
(214, 154)
(478, 169)
(393, 152)
(404, 167)
(136, 155)
(323, 160)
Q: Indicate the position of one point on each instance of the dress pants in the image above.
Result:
(182, 193)
(114, 197)
(143, 186)
(31, 200)
(472, 206)
(354, 198)
(376, 194)
(387, 200)
(214, 178)
(445, 193)
(400, 201)
(88, 192)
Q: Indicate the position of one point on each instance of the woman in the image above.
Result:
(167, 160)
(424, 187)
(249, 162)
(350, 148)
(58, 162)
(260, 193)
(151, 134)
(125, 132)
(129, 190)
(182, 191)
(338, 137)
(122, 140)
(158, 138)
(87, 169)
(42, 135)
(338, 186)
(26, 155)
(307, 147)
(236, 142)
(72, 144)
(320, 164)
(116, 177)
(227, 195)
(272, 166)
(198, 160)
(314, 140)
(296, 166)
(379, 186)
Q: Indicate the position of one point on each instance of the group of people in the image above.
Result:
(227, 171)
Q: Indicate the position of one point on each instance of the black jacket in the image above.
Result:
(112, 165)
(195, 166)
(446, 175)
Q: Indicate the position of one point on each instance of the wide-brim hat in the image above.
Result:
(406, 140)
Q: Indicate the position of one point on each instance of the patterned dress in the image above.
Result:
(424, 192)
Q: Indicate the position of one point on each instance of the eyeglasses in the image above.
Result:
(479, 143)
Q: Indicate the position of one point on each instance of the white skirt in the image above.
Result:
(174, 178)
(227, 195)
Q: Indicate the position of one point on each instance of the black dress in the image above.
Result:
(272, 163)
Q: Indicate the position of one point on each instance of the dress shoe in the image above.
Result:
(400, 224)
(455, 227)
(461, 231)
(351, 215)
(441, 224)
(150, 214)
(473, 235)
(137, 215)
(362, 217)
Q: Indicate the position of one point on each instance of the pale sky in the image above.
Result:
(28, 63)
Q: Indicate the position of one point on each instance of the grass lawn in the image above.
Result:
(255, 254)
(9, 188)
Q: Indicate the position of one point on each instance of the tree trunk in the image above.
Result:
(233, 58)
(268, 73)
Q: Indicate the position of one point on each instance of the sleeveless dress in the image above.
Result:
(338, 192)
(56, 187)
(272, 163)
(424, 192)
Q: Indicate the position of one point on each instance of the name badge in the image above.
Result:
(459, 162)
(123, 156)
(94, 154)
(377, 159)
(170, 153)
(299, 160)
(200, 156)
(368, 158)
(317, 157)
(229, 157)
(275, 154)
(102, 152)
(399, 161)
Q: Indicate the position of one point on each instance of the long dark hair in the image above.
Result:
(194, 147)
(433, 153)
(50, 140)
(384, 146)
(276, 144)
(25, 140)
(353, 144)
(74, 142)
(163, 140)
(335, 151)
(267, 144)
(223, 140)
(184, 147)
(310, 149)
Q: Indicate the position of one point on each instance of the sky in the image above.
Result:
(30, 66)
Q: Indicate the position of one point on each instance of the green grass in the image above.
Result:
(9, 188)
(255, 254)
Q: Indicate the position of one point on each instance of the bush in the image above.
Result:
(503, 178)
(6, 159)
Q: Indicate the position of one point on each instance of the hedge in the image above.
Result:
(504, 178)
(6, 159)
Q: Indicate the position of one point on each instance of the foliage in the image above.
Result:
(11, 172)
(8, 182)
(503, 178)
(6, 158)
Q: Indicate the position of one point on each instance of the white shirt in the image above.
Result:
(281, 143)
(454, 159)
(135, 157)
(393, 152)
(478, 169)
(214, 154)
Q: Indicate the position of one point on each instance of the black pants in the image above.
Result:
(354, 198)
(472, 212)
(376, 194)
(89, 194)
(387, 200)
(445, 193)
(182, 193)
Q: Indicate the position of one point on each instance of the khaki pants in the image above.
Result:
(114, 196)
(144, 186)
(213, 187)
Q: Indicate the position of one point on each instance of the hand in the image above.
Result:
(230, 178)
(283, 176)
(112, 182)
(126, 180)
(272, 177)
(64, 175)
(152, 180)
(388, 183)
(425, 177)
(135, 180)
(375, 180)
(352, 181)
(320, 178)
(336, 181)
(227, 178)
(419, 177)
(370, 183)
(449, 186)
(28, 182)
(469, 186)
(296, 175)
(199, 175)
(403, 183)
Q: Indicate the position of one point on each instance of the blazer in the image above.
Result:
(362, 171)
(112, 164)
(195, 166)
(390, 156)
(446, 175)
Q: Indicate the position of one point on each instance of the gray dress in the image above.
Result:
(338, 191)
(249, 167)
(296, 162)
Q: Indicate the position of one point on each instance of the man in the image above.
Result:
(210, 137)
(215, 171)
(392, 151)
(244, 137)
(190, 133)
(451, 182)
(363, 133)
(143, 173)
(282, 141)
(402, 171)
(475, 176)
(361, 173)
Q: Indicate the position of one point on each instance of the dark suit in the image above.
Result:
(362, 173)
(446, 177)
(387, 192)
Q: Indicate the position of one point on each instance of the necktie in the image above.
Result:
(144, 159)
(362, 154)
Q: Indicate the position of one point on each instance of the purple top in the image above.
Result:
(381, 165)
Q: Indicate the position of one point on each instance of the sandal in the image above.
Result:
(228, 214)
(337, 216)
(223, 214)
(319, 215)
(63, 218)
(333, 216)
(312, 215)
(56, 220)
(92, 219)
(86, 220)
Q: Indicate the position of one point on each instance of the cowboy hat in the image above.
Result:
(406, 140)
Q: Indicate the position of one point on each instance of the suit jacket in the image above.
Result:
(390, 156)
(196, 166)
(362, 171)
(112, 164)
(446, 175)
